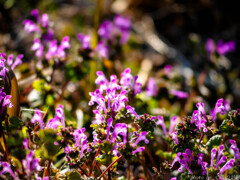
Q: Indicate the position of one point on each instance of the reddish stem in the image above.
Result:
(110, 166)
(84, 172)
(94, 162)
(47, 171)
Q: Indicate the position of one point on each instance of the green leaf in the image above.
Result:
(73, 175)
(38, 84)
(227, 126)
(15, 123)
(214, 141)
(165, 155)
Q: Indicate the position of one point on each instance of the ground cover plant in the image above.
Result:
(87, 109)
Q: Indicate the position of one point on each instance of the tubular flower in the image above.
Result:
(6, 168)
(116, 32)
(120, 129)
(160, 121)
(12, 63)
(179, 94)
(187, 160)
(38, 118)
(219, 107)
(126, 82)
(235, 149)
(221, 47)
(55, 121)
(151, 89)
(220, 159)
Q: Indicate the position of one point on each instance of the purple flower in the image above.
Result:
(199, 117)
(109, 125)
(218, 108)
(25, 143)
(126, 78)
(187, 159)
(174, 137)
(141, 137)
(179, 94)
(81, 140)
(202, 163)
(228, 165)
(2, 94)
(17, 61)
(55, 51)
(84, 40)
(6, 168)
(35, 14)
(60, 114)
(44, 20)
(3, 72)
(160, 121)
(131, 111)
(99, 118)
(6, 102)
(126, 81)
(201, 109)
(220, 159)
(38, 47)
(48, 36)
(30, 26)
(116, 32)
(105, 29)
(151, 89)
(53, 123)
(30, 164)
(223, 48)
(140, 149)
(122, 22)
(38, 118)
(167, 69)
(10, 61)
(2, 62)
(235, 149)
(210, 46)
(64, 45)
(102, 50)
(177, 158)
(120, 129)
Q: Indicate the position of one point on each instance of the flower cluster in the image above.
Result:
(111, 99)
(221, 47)
(116, 31)
(40, 25)
(57, 120)
(111, 34)
(188, 160)
(30, 166)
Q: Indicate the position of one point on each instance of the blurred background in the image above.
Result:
(163, 32)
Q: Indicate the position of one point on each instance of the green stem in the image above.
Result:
(96, 23)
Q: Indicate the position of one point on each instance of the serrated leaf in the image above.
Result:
(214, 141)
(227, 126)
